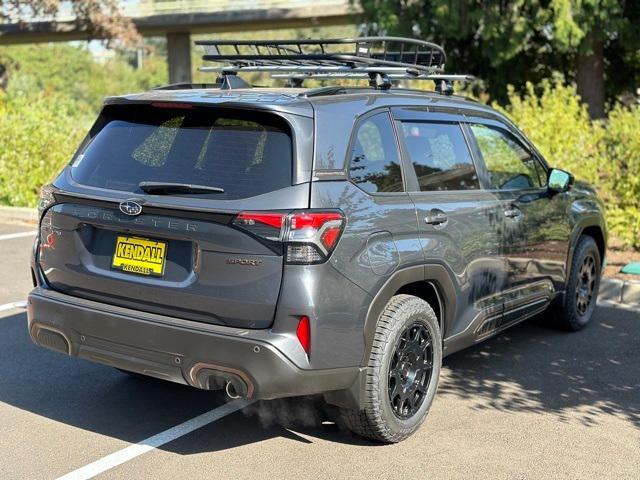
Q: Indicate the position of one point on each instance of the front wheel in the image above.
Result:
(402, 372)
(583, 285)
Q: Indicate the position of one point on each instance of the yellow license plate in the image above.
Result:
(140, 255)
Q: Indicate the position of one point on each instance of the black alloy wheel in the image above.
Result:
(586, 283)
(410, 370)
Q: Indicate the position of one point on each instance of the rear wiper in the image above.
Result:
(166, 188)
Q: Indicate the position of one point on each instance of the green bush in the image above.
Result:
(38, 134)
(72, 71)
(559, 125)
(621, 175)
(54, 94)
(604, 154)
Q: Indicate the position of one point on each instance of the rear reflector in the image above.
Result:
(303, 332)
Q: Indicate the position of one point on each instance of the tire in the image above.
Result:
(579, 302)
(401, 334)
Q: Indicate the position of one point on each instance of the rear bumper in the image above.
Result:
(200, 355)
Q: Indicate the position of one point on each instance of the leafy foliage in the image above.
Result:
(605, 154)
(559, 125)
(72, 71)
(53, 96)
(38, 134)
(621, 176)
(55, 92)
(505, 42)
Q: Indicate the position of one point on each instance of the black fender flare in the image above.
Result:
(577, 231)
(443, 282)
(434, 273)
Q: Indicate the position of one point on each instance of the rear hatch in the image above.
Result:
(184, 254)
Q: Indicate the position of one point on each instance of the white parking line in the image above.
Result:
(11, 236)
(133, 451)
(12, 305)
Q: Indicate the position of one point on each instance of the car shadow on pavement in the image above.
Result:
(529, 368)
(103, 400)
(536, 368)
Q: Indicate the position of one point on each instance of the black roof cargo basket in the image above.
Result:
(380, 59)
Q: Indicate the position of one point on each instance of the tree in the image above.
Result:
(592, 42)
(598, 34)
(99, 18)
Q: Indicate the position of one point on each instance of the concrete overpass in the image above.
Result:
(178, 19)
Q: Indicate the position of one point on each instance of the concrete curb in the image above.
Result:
(18, 214)
(625, 292)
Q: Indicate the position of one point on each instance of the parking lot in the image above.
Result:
(531, 403)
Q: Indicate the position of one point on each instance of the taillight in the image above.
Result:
(46, 199)
(312, 236)
(46, 236)
(309, 236)
(264, 224)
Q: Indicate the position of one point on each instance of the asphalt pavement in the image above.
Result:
(533, 403)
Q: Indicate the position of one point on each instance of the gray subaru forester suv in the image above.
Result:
(298, 241)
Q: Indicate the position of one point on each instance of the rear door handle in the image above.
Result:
(512, 212)
(436, 217)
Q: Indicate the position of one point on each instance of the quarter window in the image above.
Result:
(510, 164)
(440, 156)
(375, 164)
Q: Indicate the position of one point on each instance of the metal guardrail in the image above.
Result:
(148, 8)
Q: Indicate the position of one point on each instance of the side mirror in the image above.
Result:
(559, 180)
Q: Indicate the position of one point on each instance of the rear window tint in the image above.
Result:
(246, 155)
(440, 156)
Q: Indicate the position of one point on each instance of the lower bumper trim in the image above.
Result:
(200, 358)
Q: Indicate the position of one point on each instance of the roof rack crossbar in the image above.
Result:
(336, 71)
(364, 75)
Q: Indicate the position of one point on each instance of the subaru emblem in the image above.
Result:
(129, 207)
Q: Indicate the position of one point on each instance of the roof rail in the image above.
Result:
(186, 86)
(380, 59)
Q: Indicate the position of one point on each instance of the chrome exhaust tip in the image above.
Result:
(232, 391)
(235, 383)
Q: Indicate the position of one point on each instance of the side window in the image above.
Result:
(440, 156)
(510, 165)
(375, 164)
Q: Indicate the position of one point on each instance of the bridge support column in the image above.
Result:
(179, 57)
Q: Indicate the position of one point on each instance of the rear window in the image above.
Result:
(244, 154)
(440, 156)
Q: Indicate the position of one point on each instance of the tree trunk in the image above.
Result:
(590, 74)
(4, 77)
